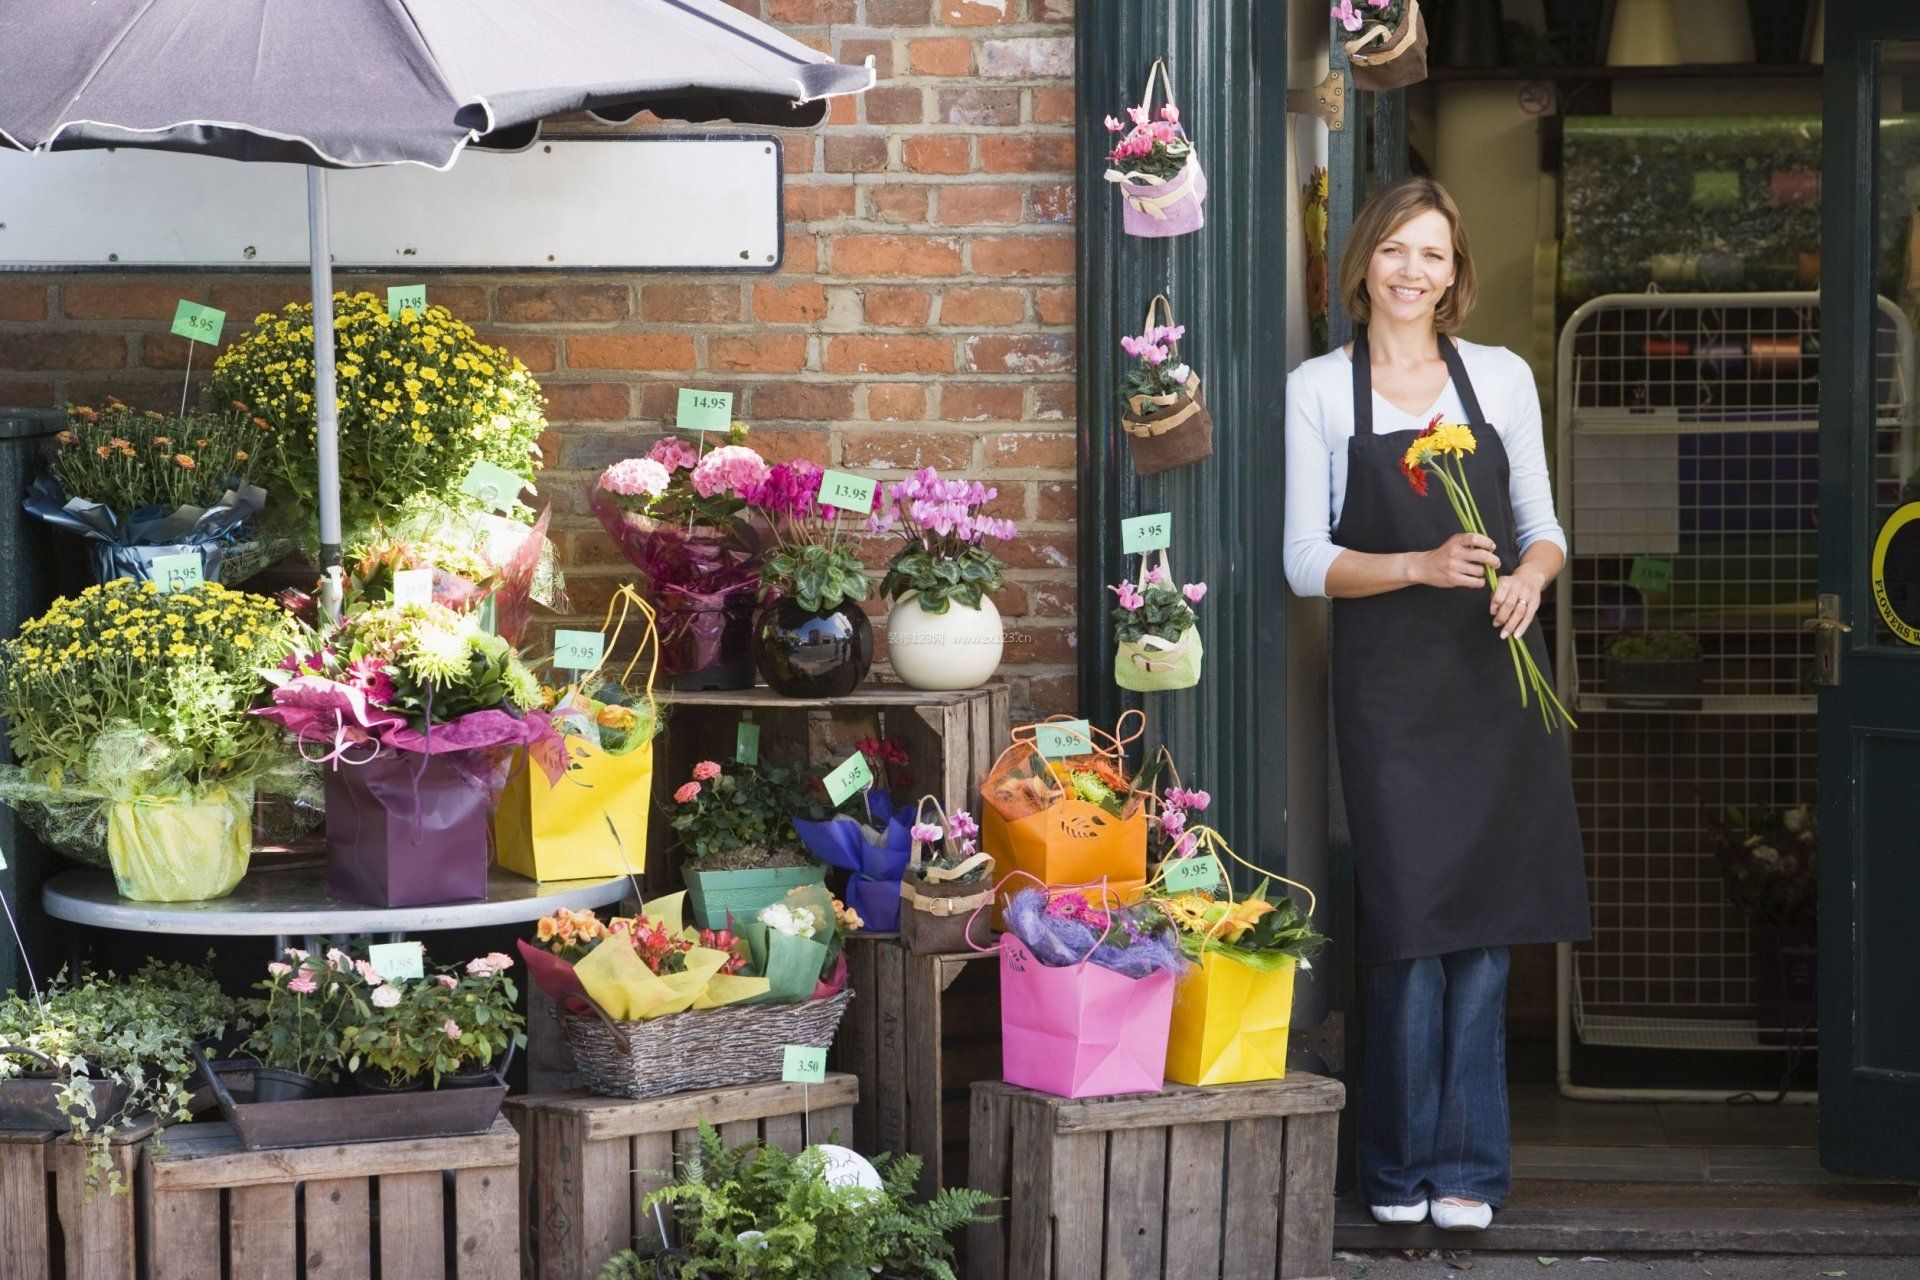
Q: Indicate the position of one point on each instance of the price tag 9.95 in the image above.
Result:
(578, 650)
(1191, 875)
(1060, 738)
(803, 1064)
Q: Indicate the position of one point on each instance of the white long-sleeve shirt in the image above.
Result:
(1320, 422)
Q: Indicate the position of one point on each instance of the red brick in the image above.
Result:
(14, 391)
(23, 302)
(1053, 401)
(134, 299)
(1011, 600)
(1058, 502)
(938, 55)
(938, 154)
(588, 401)
(972, 206)
(162, 351)
(1056, 645)
(653, 351)
(244, 300)
(803, 302)
(587, 548)
(855, 256)
(800, 254)
(860, 354)
(853, 52)
(1024, 256)
(978, 13)
(855, 153)
(1031, 451)
(803, 401)
(1030, 550)
(810, 13)
(536, 351)
(1049, 695)
(973, 308)
(466, 302)
(1053, 599)
(907, 450)
(893, 104)
(843, 110)
(564, 303)
(690, 303)
(1009, 503)
(1024, 353)
(659, 399)
(794, 445)
(982, 402)
(595, 450)
(1053, 204)
(819, 203)
(1050, 10)
(899, 13)
(762, 353)
(796, 152)
(1053, 106)
(1028, 58)
(979, 106)
(1055, 306)
(899, 203)
(896, 402)
(1027, 153)
(897, 308)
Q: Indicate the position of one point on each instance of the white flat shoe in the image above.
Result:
(1399, 1215)
(1470, 1216)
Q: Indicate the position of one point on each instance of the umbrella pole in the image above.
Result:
(325, 410)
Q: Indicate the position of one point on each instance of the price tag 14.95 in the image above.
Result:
(578, 650)
(177, 573)
(1146, 533)
(803, 1064)
(847, 492)
(704, 410)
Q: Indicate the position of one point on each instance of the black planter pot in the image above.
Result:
(380, 1082)
(1786, 971)
(808, 654)
(470, 1079)
(275, 1084)
(1655, 683)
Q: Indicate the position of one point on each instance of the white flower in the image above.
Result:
(1797, 819)
(386, 997)
(341, 962)
(480, 967)
(795, 922)
(1179, 374)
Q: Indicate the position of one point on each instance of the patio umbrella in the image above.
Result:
(353, 83)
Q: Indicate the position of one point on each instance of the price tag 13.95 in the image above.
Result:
(704, 410)
(201, 324)
(803, 1064)
(847, 492)
(853, 774)
(578, 650)
(177, 573)
(1191, 875)
(398, 961)
(1141, 534)
(1060, 738)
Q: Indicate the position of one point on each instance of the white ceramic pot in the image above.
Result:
(958, 649)
(1643, 35)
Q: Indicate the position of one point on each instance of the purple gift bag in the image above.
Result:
(409, 830)
(1152, 207)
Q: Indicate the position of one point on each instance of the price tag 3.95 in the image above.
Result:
(1146, 533)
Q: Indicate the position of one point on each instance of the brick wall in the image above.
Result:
(924, 314)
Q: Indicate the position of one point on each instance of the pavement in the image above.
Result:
(1437, 1264)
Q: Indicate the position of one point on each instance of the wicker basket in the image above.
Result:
(699, 1049)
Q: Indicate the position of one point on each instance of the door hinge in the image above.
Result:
(1827, 626)
(1326, 100)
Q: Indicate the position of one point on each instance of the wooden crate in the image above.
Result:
(951, 738)
(592, 1161)
(422, 1208)
(916, 1049)
(51, 1228)
(1140, 1187)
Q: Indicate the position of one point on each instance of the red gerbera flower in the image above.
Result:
(1416, 477)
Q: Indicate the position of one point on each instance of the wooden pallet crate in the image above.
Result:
(920, 1031)
(422, 1208)
(51, 1227)
(591, 1162)
(1139, 1187)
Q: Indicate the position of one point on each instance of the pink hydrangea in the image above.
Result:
(636, 477)
(386, 997)
(732, 468)
(674, 454)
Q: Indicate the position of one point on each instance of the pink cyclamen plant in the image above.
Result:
(1156, 145)
(943, 522)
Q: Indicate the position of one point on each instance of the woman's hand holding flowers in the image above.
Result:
(1460, 561)
(1515, 601)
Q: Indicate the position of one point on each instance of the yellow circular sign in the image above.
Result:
(1898, 549)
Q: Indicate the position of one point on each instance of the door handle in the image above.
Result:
(1828, 626)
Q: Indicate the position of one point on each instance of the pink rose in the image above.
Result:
(452, 1029)
(303, 984)
(686, 792)
(479, 967)
(279, 970)
(367, 974)
(446, 980)
(706, 769)
(499, 961)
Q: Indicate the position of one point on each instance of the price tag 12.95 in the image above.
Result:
(1060, 738)
(704, 410)
(803, 1064)
(847, 492)
(1141, 534)
(1191, 875)
(177, 573)
(397, 961)
(578, 650)
(853, 774)
(406, 297)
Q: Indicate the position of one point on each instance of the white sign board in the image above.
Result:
(696, 202)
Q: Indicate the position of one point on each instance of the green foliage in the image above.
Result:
(748, 807)
(938, 581)
(128, 459)
(1165, 613)
(817, 576)
(1654, 646)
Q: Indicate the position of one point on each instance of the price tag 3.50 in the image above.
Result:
(1146, 533)
(803, 1064)
(177, 573)
(578, 650)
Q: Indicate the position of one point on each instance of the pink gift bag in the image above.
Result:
(1153, 206)
(1081, 1031)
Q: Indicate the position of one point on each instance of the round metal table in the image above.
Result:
(294, 903)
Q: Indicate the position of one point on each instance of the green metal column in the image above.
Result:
(1227, 282)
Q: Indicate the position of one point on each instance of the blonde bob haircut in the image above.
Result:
(1389, 210)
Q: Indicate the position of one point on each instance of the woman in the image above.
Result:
(1465, 839)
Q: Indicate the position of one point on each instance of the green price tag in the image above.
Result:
(1650, 574)
(704, 410)
(493, 484)
(1061, 738)
(746, 743)
(803, 1064)
(398, 961)
(412, 586)
(202, 324)
(177, 573)
(852, 775)
(1191, 875)
(847, 492)
(578, 650)
(1146, 533)
(406, 297)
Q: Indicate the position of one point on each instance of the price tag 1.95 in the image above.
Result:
(398, 961)
(847, 492)
(803, 1064)
(177, 573)
(1146, 533)
(704, 410)
(412, 586)
(746, 743)
(852, 774)
(201, 324)
(1060, 738)
(493, 484)
(406, 297)
(1191, 875)
(578, 650)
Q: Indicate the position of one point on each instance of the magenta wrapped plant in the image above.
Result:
(812, 562)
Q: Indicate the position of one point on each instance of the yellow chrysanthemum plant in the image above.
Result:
(128, 713)
(420, 398)
(1440, 450)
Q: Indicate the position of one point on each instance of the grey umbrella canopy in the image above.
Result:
(352, 83)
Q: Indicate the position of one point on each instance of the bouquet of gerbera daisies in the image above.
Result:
(1440, 450)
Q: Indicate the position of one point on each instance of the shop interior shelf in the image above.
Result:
(1762, 704)
(1650, 1031)
(1681, 71)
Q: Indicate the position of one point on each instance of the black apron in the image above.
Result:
(1459, 802)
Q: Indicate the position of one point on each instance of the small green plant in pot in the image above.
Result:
(814, 639)
(735, 827)
(1655, 669)
(298, 1023)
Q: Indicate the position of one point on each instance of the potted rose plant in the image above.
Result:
(735, 826)
(814, 639)
(679, 515)
(475, 1006)
(127, 712)
(1771, 861)
(943, 631)
(1157, 630)
(298, 1024)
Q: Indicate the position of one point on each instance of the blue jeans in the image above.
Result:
(1433, 1101)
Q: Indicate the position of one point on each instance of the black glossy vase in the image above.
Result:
(808, 654)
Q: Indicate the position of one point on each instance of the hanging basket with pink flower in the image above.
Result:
(1389, 48)
(1158, 630)
(1161, 185)
(1166, 425)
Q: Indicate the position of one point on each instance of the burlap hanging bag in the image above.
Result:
(1385, 59)
(1153, 665)
(1167, 431)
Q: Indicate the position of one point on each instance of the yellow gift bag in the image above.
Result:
(592, 823)
(1035, 820)
(169, 850)
(1230, 1014)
